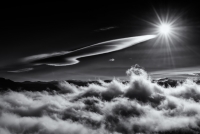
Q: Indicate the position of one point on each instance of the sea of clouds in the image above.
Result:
(137, 106)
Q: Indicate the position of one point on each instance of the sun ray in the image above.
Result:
(169, 29)
(160, 20)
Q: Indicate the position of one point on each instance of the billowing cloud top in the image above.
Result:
(137, 106)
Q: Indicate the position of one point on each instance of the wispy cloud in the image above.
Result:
(43, 56)
(21, 70)
(105, 29)
(66, 58)
(70, 58)
(182, 73)
(112, 59)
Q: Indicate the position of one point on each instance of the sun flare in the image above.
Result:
(165, 29)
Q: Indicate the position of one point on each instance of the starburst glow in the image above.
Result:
(165, 29)
(169, 27)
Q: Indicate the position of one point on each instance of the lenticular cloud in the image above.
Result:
(136, 106)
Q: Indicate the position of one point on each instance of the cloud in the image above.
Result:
(105, 29)
(193, 74)
(181, 73)
(43, 56)
(136, 106)
(21, 70)
(112, 59)
(70, 58)
(66, 58)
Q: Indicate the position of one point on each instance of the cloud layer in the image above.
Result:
(137, 106)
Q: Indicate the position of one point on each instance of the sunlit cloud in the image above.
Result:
(66, 58)
(137, 106)
(43, 56)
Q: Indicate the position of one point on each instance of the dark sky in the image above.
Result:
(29, 29)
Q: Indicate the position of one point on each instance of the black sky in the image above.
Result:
(37, 28)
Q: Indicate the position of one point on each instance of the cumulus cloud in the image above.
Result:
(136, 106)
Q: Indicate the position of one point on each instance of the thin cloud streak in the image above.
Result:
(181, 73)
(66, 58)
(41, 56)
(105, 29)
(21, 70)
(70, 58)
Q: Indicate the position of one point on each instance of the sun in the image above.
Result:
(170, 31)
(165, 29)
(168, 27)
